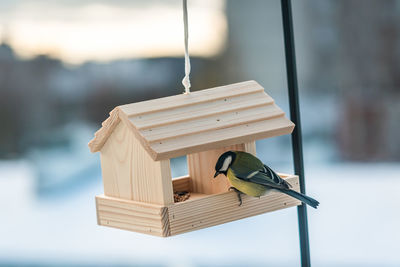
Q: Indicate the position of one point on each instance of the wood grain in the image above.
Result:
(214, 122)
(221, 208)
(221, 137)
(101, 136)
(133, 216)
(206, 95)
(199, 211)
(201, 121)
(130, 173)
(183, 183)
(194, 112)
(250, 147)
(201, 168)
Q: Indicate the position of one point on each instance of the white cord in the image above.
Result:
(186, 79)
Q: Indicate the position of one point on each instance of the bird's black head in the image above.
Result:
(224, 162)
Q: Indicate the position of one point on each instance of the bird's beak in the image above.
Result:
(216, 174)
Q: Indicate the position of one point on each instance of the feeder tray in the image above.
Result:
(138, 140)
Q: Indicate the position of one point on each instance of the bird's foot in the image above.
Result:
(239, 194)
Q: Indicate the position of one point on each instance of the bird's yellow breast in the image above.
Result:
(249, 188)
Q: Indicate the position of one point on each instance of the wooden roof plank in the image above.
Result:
(165, 103)
(100, 137)
(218, 121)
(222, 137)
(189, 113)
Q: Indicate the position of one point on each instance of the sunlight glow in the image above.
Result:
(107, 32)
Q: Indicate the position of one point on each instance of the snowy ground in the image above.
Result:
(357, 224)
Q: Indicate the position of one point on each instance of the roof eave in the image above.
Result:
(101, 136)
(228, 142)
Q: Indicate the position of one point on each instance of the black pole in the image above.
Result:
(297, 146)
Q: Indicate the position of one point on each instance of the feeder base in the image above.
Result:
(199, 211)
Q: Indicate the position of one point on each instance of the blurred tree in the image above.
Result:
(352, 50)
(369, 78)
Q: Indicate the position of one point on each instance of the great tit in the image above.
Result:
(247, 174)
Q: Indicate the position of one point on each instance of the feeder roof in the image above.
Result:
(203, 120)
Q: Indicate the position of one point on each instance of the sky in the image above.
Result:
(78, 31)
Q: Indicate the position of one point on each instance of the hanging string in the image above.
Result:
(186, 79)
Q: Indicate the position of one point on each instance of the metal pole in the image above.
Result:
(297, 146)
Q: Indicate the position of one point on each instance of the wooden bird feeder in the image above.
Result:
(138, 140)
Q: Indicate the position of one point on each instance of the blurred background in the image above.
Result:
(65, 64)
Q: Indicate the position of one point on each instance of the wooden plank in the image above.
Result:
(195, 195)
(124, 118)
(110, 184)
(182, 183)
(143, 213)
(138, 220)
(250, 147)
(230, 204)
(221, 208)
(188, 113)
(160, 104)
(213, 122)
(253, 205)
(152, 182)
(224, 216)
(97, 211)
(222, 200)
(115, 163)
(134, 206)
(133, 216)
(201, 168)
(132, 227)
(130, 173)
(222, 137)
(100, 137)
(164, 181)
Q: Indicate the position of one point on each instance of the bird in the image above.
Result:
(249, 175)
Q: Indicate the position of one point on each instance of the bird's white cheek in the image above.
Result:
(226, 164)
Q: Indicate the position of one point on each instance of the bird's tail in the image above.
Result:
(303, 198)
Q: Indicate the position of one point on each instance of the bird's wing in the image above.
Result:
(264, 176)
(249, 168)
(276, 177)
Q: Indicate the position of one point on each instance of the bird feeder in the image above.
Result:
(138, 140)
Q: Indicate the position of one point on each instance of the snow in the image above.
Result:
(355, 225)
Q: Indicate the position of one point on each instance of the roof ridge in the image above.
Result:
(196, 97)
